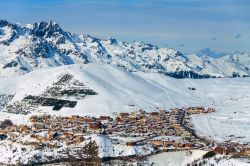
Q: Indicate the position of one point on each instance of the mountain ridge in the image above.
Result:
(24, 48)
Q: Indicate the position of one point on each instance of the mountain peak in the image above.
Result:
(111, 41)
(46, 29)
(3, 23)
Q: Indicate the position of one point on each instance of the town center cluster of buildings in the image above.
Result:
(53, 131)
(164, 130)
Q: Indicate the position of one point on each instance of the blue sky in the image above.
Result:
(187, 25)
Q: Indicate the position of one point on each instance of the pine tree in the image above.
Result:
(91, 151)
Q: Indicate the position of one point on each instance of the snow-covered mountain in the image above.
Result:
(24, 48)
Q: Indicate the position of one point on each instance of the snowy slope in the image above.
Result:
(24, 48)
(183, 158)
(180, 158)
(27, 155)
(229, 162)
(119, 89)
(109, 147)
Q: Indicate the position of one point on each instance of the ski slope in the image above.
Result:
(118, 90)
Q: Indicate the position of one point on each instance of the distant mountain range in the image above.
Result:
(24, 48)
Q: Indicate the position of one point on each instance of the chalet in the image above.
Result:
(78, 139)
(34, 136)
(95, 127)
(124, 114)
(162, 111)
(119, 120)
(176, 125)
(186, 134)
(220, 150)
(65, 134)
(24, 128)
(33, 118)
(13, 128)
(37, 137)
(142, 119)
(195, 110)
(169, 133)
(104, 119)
(2, 131)
(175, 111)
(131, 143)
(209, 110)
(43, 139)
(142, 112)
(52, 146)
(54, 135)
(111, 130)
(230, 150)
(37, 126)
(154, 113)
(180, 145)
(133, 114)
(156, 143)
(188, 145)
(87, 120)
(246, 152)
(163, 143)
(75, 117)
